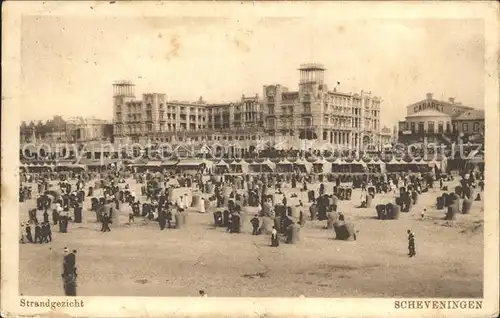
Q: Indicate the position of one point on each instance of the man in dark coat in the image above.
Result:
(321, 189)
(274, 238)
(71, 261)
(28, 233)
(411, 244)
(162, 219)
(255, 225)
(169, 217)
(69, 272)
(65, 220)
(105, 223)
(48, 233)
(304, 186)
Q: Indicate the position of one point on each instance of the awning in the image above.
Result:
(153, 163)
(191, 163)
(282, 162)
(71, 165)
(240, 163)
(169, 163)
(394, 162)
(95, 164)
(339, 161)
(266, 162)
(222, 163)
(301, 162)
(321, 161)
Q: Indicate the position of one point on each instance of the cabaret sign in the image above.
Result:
(422, 107)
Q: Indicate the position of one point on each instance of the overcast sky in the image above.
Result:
(69, 64)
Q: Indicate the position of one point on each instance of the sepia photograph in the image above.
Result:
(266, 154)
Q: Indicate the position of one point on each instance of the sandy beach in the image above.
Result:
(141, 260)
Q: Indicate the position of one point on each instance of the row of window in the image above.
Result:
(440, 127)
(305, 122)
(205, 138)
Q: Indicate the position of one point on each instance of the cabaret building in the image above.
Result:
(434, 118)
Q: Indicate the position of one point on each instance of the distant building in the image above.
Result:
(470, 125)
(154, 118)
(317, 114)
(80, 129)
(430, 118)
(386, 136)
(284, 118)
(470, 122)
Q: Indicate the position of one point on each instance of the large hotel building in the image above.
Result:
(285, 118)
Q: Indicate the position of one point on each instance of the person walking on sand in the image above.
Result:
(162, 219)
(274, 238)
(202, 205)
(255, 224)
(105, 223)
(411, 244)
(23, 239)
(48, 233)
(29, 236)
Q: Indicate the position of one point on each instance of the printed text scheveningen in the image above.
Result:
(438, 304)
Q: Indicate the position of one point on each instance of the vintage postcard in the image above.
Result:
(287, 159)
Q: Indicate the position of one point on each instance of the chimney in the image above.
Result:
(451, 100)
(429, 96)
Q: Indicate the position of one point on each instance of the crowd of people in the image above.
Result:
(163, 199)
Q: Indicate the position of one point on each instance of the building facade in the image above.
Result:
(448, 119)
(155, 119)
(81, 129)
(386, 136)
(314, 115)
(470, 122)
(285, 119)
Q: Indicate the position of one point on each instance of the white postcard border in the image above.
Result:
(131, 306)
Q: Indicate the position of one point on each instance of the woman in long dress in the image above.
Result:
(202, 205)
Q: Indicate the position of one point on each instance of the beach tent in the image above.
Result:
(69, 167)
(239, 166)
(222, 163)
(262, 166)
(270, 164)
(284, 162)
(221, 167)
(284, 166)
(303, 165)
(190, 163)
(356, 165)
(322, 166)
